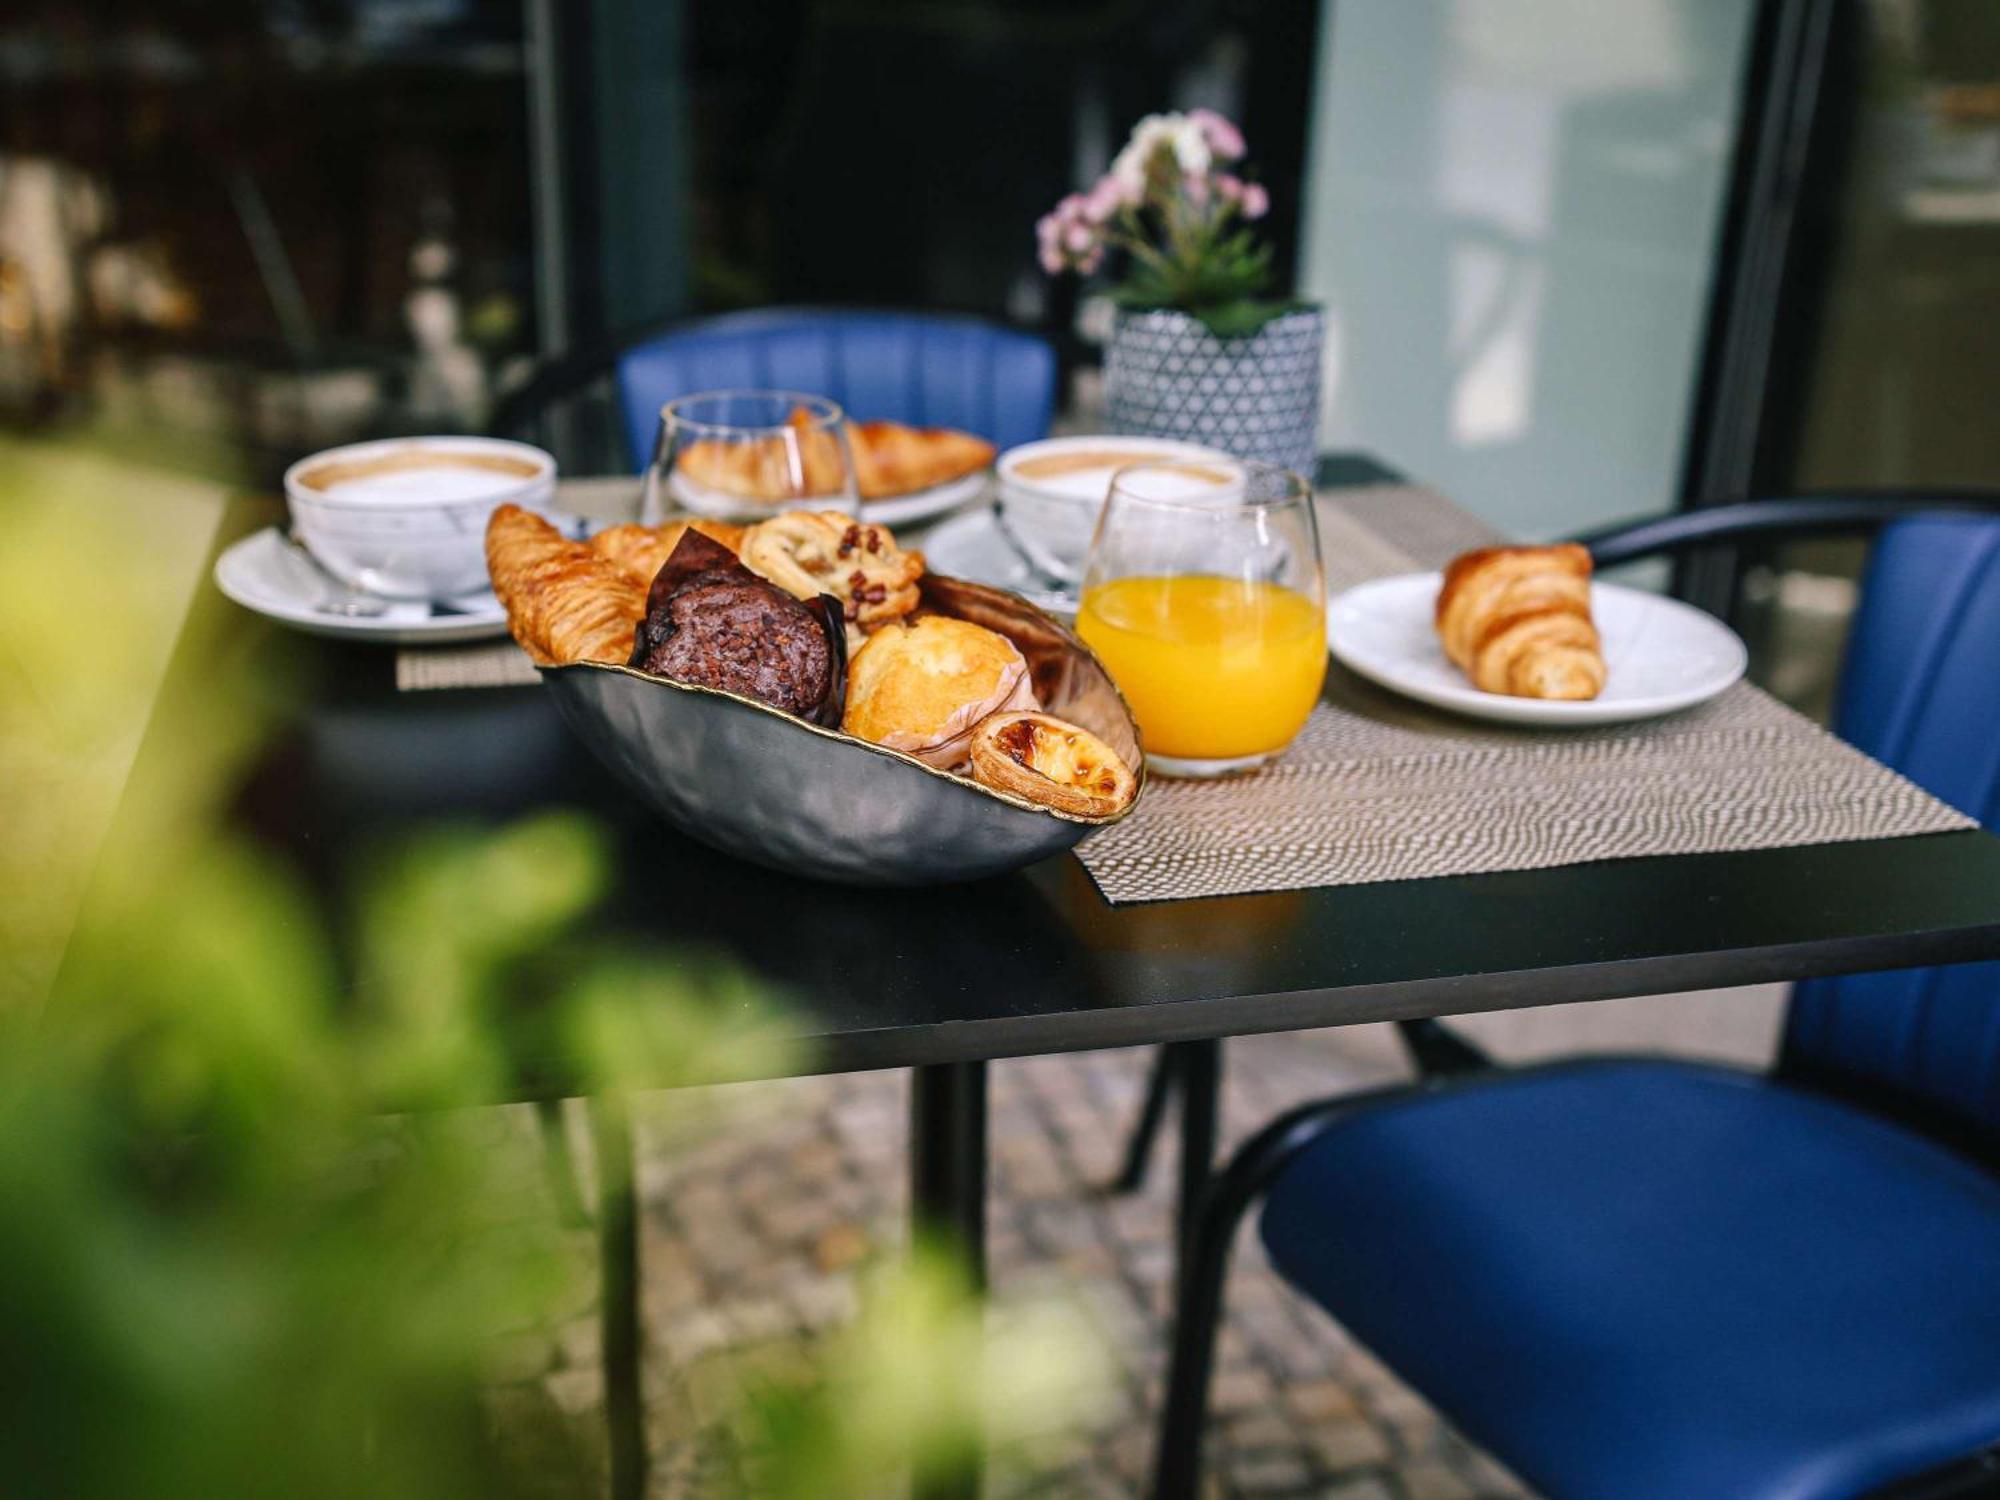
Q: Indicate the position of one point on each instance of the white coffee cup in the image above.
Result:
(406, 517)
(1050, 492)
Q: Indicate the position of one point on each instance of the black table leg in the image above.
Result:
(1197, 1068)
(618, 1303)
(1146, 1132)
(948, 1201)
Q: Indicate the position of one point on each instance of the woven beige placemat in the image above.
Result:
(490, 664)
(1379, 788)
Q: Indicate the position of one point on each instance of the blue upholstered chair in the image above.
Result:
(917, 368)
(1641, 1279)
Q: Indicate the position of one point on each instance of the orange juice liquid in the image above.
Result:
(1214, 668)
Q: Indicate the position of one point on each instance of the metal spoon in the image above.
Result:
(337, 596)
(1043, 578)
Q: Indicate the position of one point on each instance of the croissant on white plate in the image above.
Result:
(1516, 620)
(893, 459)
(889, 459)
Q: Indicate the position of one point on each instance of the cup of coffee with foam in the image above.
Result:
(406, 518)
(1050, 492)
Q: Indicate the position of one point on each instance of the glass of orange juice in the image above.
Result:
(1205, 598)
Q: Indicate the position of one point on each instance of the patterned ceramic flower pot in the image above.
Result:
(1256, 396)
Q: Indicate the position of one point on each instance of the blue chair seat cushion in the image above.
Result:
(1651, 1280)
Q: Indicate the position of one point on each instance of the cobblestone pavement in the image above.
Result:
(753, 1236)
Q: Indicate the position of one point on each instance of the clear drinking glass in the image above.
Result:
(745, 455)
(1205, 598)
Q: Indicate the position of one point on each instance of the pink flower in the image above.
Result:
(1256, 200)
(1105, 198)
(1047, 230)
(1130, 175)
(1223, 138)
(1089, 264)
(1228, 187)
(1052, 260)
(1078, 239)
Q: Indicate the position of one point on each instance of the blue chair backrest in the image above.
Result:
(1921, 692)
(881, 367)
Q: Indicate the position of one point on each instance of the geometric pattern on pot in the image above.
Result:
(1256, 396)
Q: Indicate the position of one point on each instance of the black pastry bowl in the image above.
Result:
(764, 786)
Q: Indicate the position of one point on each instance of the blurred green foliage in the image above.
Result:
(247, 1245)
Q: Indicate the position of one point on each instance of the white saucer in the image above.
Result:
(896, 510)
(1659, 655)
(921, 505)
(973, 547)
(265, 573)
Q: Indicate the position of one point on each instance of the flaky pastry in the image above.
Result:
(1053, 762)
(1516, 620)
(809, 553)
(565, 602)
(797, 462)
(804, 461)
(924, 687)
(891, 459)
(640, 551)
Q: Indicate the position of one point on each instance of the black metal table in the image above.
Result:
(942, 981)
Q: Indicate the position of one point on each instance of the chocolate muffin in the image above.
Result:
(711, 622)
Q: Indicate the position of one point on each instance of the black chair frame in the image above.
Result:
(1215, 1207)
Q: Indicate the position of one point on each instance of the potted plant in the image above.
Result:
(1200, 349)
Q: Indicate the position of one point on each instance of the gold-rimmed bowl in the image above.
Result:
(762, 785)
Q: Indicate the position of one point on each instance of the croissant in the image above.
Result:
(641, 551)
(565, 601)
(891, 459)
(1516, 620)
(797, 464)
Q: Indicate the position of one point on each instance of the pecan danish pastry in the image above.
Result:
(809, 553)
(1053, 762)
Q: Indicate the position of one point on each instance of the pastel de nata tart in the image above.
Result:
(1052, 762)
(810, 553)
(923, 688)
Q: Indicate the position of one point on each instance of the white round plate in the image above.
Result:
(921, 505)
(973, 547)
(896, 510)
(1659, 655)
(265, 573)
